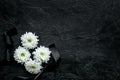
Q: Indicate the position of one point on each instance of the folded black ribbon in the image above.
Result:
(52, 64)
(9, 45)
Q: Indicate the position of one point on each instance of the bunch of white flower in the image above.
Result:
(40, 55)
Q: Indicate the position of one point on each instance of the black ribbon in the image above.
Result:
(9, 45)
(51, 65)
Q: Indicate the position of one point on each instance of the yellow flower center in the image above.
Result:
(29, 40)
(42, 53)
(33, 67)
(23, 54)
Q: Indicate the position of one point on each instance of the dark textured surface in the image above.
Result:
(86, 32)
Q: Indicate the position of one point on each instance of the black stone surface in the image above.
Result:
(86, 32)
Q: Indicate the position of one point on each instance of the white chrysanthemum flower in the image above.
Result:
(33, 67)
(42, 53)
(29, 40)
(21, 55)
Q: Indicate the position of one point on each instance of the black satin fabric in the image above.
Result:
(86, 33)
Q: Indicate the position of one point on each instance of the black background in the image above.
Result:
(86, 32)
